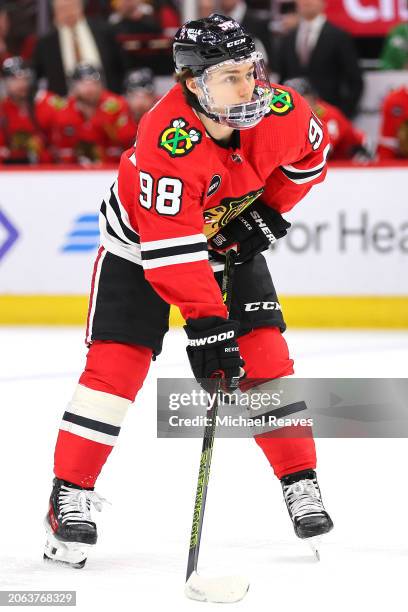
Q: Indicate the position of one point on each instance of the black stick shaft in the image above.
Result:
(208, 438)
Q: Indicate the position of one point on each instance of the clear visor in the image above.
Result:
(221, 86)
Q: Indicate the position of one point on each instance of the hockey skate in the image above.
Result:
(304, 502)
(71, 533)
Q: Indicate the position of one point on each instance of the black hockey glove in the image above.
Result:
(213, 351)
(253, 231)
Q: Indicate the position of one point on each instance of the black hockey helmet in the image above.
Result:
(202, 43)
(139, 79)
(16, 67)
(85, 71)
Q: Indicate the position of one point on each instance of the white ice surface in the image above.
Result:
(139, 562)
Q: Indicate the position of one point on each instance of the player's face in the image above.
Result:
(88, 90)
(232, 84)
(140, 102)
(18, 87)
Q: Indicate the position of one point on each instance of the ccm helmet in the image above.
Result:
(15, 67)
(203, 46)
(141, 79)
(85, 71)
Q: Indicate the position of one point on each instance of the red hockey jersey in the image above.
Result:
(394, 113)
(177, 187)
(100, 138)
(345, 139)
(25, 130)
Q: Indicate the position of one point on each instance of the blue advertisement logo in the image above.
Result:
(84, 235)
(11, 235)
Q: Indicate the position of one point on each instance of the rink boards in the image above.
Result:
(343, 264)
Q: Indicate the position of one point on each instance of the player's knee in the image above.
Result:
(89, 407)
(116, 368)
(265, 353)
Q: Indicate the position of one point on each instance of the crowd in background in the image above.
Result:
(75, 92)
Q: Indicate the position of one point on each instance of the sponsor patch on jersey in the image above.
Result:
(177, 139)
(214, 185)
(282, 102)
(217, 217)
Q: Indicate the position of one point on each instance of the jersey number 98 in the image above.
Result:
(168, 194)
(315, 134)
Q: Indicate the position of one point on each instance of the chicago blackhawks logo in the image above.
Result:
(281, 103)
(217, 217)
(177, 140)
(111, 105)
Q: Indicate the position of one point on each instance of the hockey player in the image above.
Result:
(222, 154)
(347, 142)
(140, 92)
(25, 120)
(393, 141)
(96, 125)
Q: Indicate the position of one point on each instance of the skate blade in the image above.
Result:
(73, 554)
(54, 560)
(314, 544)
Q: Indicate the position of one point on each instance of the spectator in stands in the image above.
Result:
(238, 10)
(393, 141)
(96, 125)
(258, 28)
(25, 122)
(138, 32)
(4, 30)
(288, 17)
(394, 55)
(347, 142)
(168, 16)
(140, 92)
(76, 39)
(205, 8)
(325, 55)
(22, 16)
(98, 8)
(134, 17)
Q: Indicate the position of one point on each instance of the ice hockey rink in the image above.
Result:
(140, 560)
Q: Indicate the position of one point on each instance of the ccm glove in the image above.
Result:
(253, 231)
(213, 351)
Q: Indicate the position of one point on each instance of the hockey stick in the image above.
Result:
(228, 589)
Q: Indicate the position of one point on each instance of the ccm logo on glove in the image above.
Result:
(264, 305)
(211, 339)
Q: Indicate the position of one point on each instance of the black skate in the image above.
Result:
(70, 529)
(304, 502)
